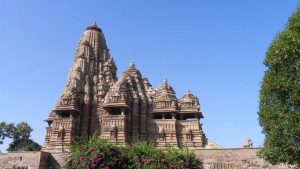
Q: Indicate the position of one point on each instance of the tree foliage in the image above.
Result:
(20, 135)
(279, 106)
(24, 145)
(22, 131)
(6, 131)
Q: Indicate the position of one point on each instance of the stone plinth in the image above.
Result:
(237, 158)
(32, 160)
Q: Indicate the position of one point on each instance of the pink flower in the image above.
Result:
(96, 160)
(81, 159)
(163, 161)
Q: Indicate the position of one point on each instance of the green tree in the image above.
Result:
(279, 106)
(21, 138)
(6, 131)
(22, 131)
(2, 133)
(24, 145)
(20, 135)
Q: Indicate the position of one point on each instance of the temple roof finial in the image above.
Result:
(131, 65)
(94, 26)
(165, 81)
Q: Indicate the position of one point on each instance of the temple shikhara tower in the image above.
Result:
(122, 109)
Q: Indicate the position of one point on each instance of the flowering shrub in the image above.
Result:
(96, 153)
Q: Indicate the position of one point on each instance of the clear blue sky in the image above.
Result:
(214, 48)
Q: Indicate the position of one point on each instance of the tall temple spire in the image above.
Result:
(92, 72)
(91, 59)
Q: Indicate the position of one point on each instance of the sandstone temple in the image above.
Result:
(95, 102)
(122, 109)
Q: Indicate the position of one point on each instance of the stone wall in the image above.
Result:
(24, 160)
(236, 158)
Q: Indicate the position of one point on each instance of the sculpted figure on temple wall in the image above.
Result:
(248, 144)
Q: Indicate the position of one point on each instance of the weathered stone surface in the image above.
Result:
(24, 160)
(238, 158)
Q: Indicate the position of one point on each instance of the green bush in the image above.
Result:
(99, 153)
(96, 153)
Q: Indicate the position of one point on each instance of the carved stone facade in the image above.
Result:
(123, 109)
